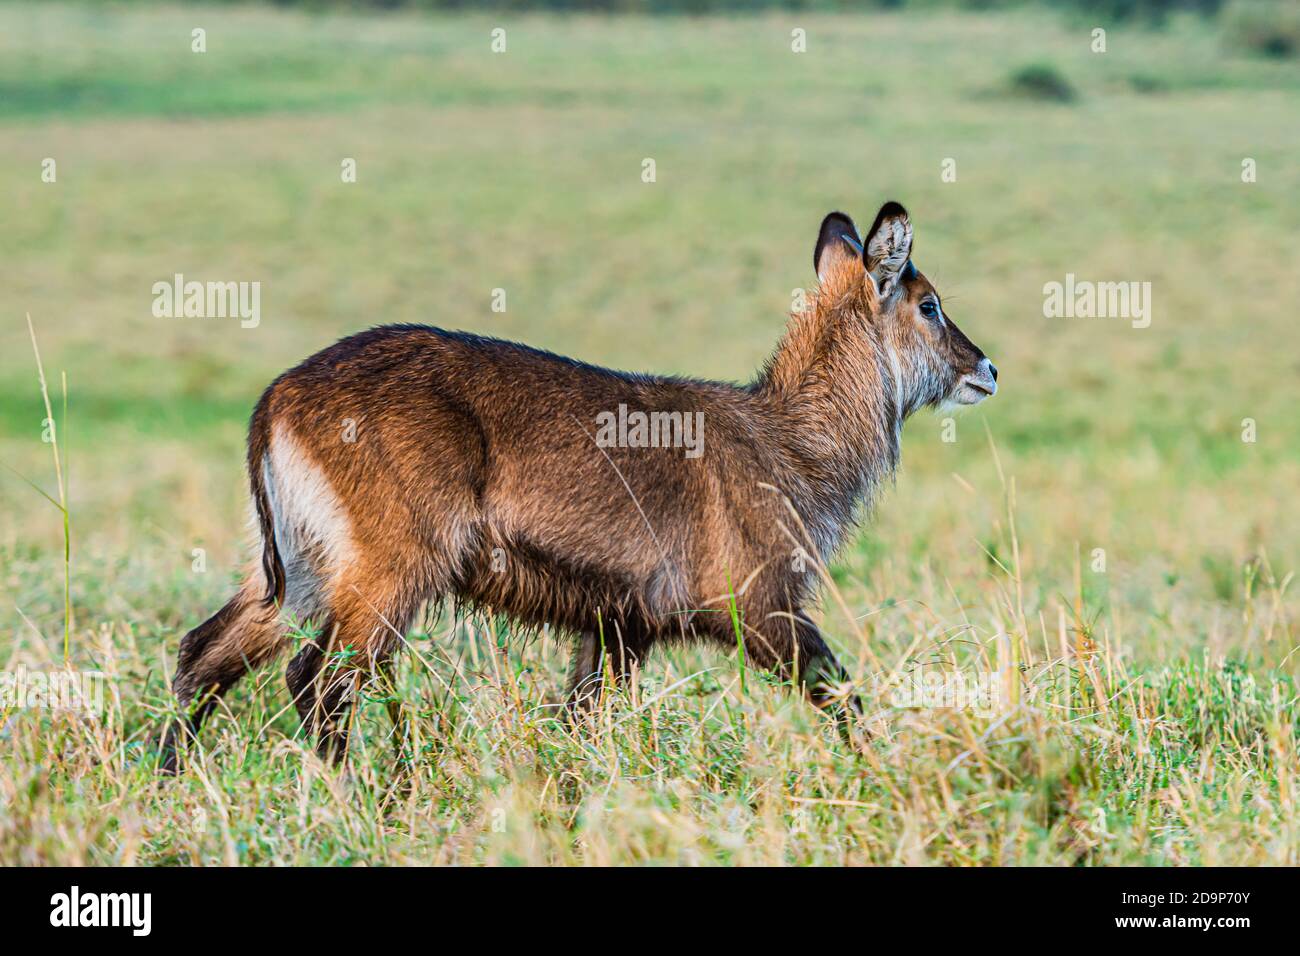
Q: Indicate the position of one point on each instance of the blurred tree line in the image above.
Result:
(1269, 28)
(1112, 9)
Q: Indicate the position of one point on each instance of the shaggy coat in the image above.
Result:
(408, 464)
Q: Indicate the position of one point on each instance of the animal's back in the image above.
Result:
(473, 466)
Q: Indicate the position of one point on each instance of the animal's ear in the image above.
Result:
(837, 242)
(888, 247)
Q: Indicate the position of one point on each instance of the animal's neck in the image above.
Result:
(835, 392)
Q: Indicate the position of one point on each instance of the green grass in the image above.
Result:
(1150, 708)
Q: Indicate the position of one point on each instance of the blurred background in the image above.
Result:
(522, 169)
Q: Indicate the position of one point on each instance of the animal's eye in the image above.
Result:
(930, 309)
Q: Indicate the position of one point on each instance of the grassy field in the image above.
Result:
(1148, 706)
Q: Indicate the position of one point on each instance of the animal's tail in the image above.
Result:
(259, 442)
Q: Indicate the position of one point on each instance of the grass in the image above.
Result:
(1147, 699)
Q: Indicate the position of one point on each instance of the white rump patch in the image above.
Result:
(312, 530)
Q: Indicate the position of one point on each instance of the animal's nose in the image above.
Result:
(993, 370)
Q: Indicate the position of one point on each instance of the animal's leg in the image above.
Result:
(792, 646)
(214, 656)
(359, 636)
(823, 678)
(595, 661)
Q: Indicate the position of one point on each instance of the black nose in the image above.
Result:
(994, 369)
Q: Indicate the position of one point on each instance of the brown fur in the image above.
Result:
(475, 474)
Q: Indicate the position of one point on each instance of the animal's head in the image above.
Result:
(932, 361)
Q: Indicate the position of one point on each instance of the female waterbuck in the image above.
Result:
(407, 464)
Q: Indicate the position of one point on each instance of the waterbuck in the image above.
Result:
(406, 464)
